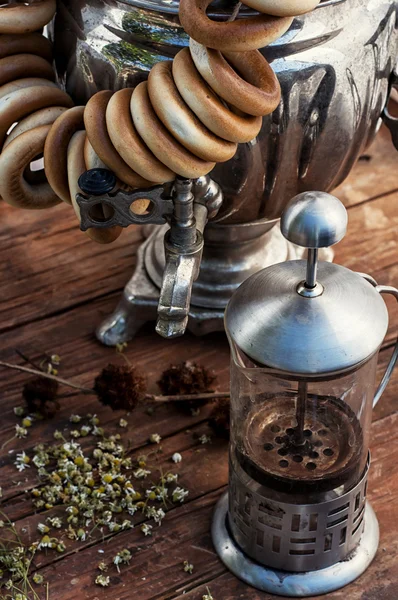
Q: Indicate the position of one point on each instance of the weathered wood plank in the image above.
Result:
(48, 265)
(375, 174)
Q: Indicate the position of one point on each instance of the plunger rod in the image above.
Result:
(312, 267)
(300, 411)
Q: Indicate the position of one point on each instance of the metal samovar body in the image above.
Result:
(334, 65)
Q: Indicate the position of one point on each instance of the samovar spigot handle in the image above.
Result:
(194, 201)
(185, 204)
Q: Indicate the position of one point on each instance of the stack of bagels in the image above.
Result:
(190, 114)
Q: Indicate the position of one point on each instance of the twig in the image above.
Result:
(76, 386)
(235, 11)
(184, 397)
(26, 359)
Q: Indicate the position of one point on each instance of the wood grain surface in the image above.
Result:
(56, 286)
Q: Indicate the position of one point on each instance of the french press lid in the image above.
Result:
(308, 317)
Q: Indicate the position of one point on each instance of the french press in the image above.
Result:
(304, 339)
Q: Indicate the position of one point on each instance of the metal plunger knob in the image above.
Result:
(314, 220)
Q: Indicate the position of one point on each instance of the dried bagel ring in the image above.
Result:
(97, 133)
(20, 84)
(19, 104)
(56, 150)
(283, 8)
(207, 106)
(233, 36)
(14, 160)
(91, 158)
(128, 143)
(180, 120)
(76, 167)
(28, 43)
(160, 141)
(45, 116)
(255, 90)
(26, 18)
(24, 65)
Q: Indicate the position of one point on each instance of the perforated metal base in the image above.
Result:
(284, 583)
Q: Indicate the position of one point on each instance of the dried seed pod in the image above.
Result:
(40, 395)
(187, 378)
(219, 419)
(120, 387)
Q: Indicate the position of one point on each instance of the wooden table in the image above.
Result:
(57, 286)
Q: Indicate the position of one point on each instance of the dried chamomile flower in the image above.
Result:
(42, 528)
(46, 542)
(85, 430)
(122, 557)
(157, 514)
(102, 580)
(146, 529)
(55, 359)
(176, 458)
(20, 432)
(188, 567)
(179, 495)
(155, 438)
(55, 522)
(171, 477)
(205, 439)
(38, 579)
(123, 423)
(75, 419)
(207, 596)
(141, 473)
(102, 566)
(22, 462)
(121, 346)
(19, 411)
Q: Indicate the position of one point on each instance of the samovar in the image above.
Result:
(335, 66)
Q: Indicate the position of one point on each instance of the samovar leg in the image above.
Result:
(137, 306)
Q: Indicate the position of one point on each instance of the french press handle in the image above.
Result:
(384, 289)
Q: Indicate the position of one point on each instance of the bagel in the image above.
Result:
(29, 43)
(45, 116)
(76, 167)
(230, 36)
(128, 143)
(178, 118)
(95, 123)
(20, 84)
(283, 8)
(209, 109)
(25, 18)
(255, 90)
(24, 65)
(56, 150)
(21, 103)
(160, 141)
(14, 160)
(91, 158)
